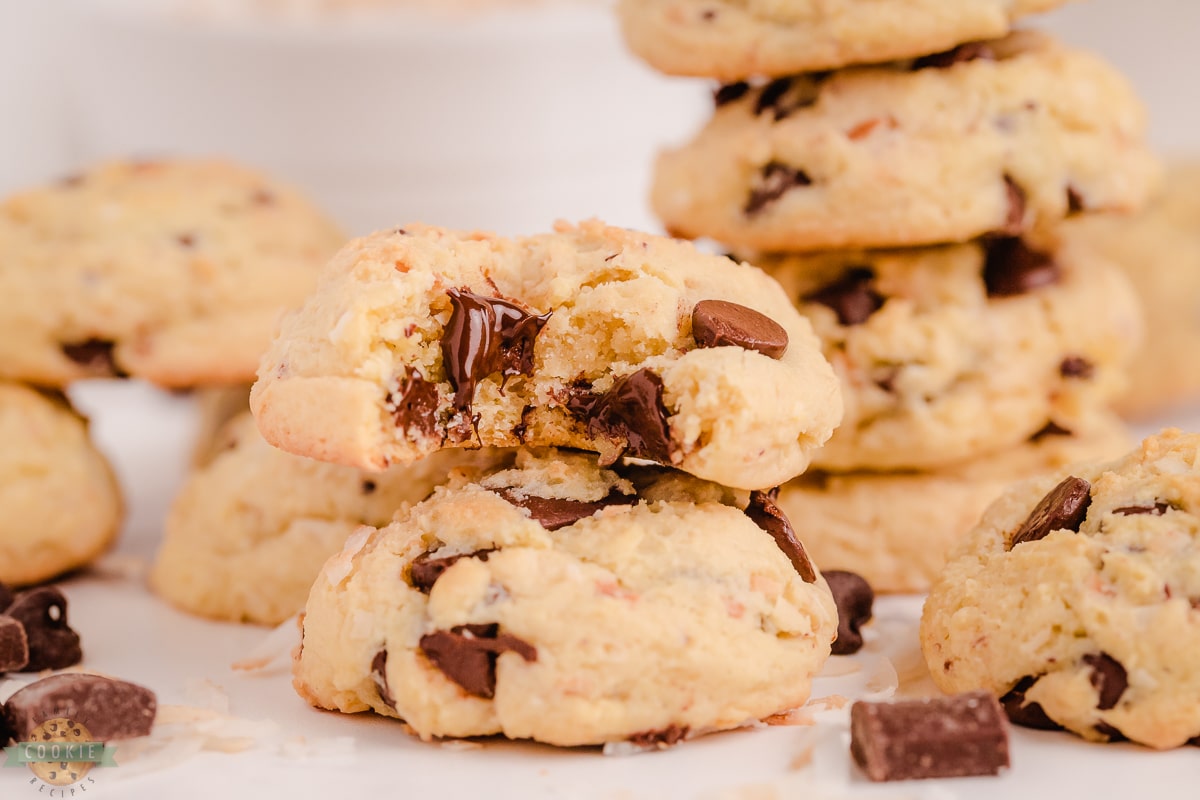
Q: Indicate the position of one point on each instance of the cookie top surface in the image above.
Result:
(172, 271)
(1078, 592)
(1017, 134)
(60, 506)
(732, 40)
(583, 584)
(590, 337)
(948, 353)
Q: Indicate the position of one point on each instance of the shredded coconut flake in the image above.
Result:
(274, 653)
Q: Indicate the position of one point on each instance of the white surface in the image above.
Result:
(300, 752)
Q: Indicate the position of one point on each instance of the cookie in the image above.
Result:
(948, 353)
(1159, 250)
(1007, 136)
(172, 271)
(571, 604)
(732, 40)
(589, 337)
(60, 507)
(249, 530)
(894, 528)
(1077, 599)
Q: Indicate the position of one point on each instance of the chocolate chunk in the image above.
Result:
(1076, 367)
(1063, 509)
(52, 643)
(1028, 715)
(467, 655)
(554, 513)
(1158, 509)
(763, 511)
(1051, 428)
(1013, 268)
(6, 597)
(1110, 732)
(369, 487)
(730, 92)
(416, 407)
(96, 356)
(772, 183)
(1108, 678)
(379, 675)
(854, 598)
(486, 335)
(1014, 223)
(852, 296)
(661, 739)
(771, 94)
(717, 323)
(109, 709)
(970, 51)
(785, 96)
(943, 737)
(425, 571)
(1075, 201)
(14, 646)
(630, 413)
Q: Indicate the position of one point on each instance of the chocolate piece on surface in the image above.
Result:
(425, 571)
(554, 513)
(944, 737)
(1064, 508)
(6, 597)
(52, 642)
(717, 323)
(1013, 268)
(852, 296)
(774, 181)
(109, 709)
(766, 514)
(14, 646)
(631, 413)
(467, 655)
(854, 598)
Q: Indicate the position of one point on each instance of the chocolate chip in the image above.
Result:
(425, 571)
(941, 737)
(1014, 223)
(1064, 508)
(1108, 678)
(416, 407)
(52, 643)
(368, 487)
(1158, 509)
(1051, 428)
(773, 182)
(854, 598)
(1076, 367)
(486, 335)
(730, 92)
(1075, 202)
(661, 739)
(852, 296)
(1012, 268)
(631, 413)
(14, 646)
(1028, 715)
(109, 709)
(379, 675)
(764, 513)
(771, 94)
(467, 655)
(1110, 732)
(554, 513)
(718, 323)
(94, 355)
(970, 51)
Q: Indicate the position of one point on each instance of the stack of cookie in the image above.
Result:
(614, 568)
(173, 272)
(903, 169)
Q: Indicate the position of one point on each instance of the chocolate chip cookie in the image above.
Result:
(589, 337)
(1000, 137)
(250, 528)
(1077, 599)
(732, 40)
(60, 507)
(572, 604)
(894, 528)
(172, 271)
(948, 353)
